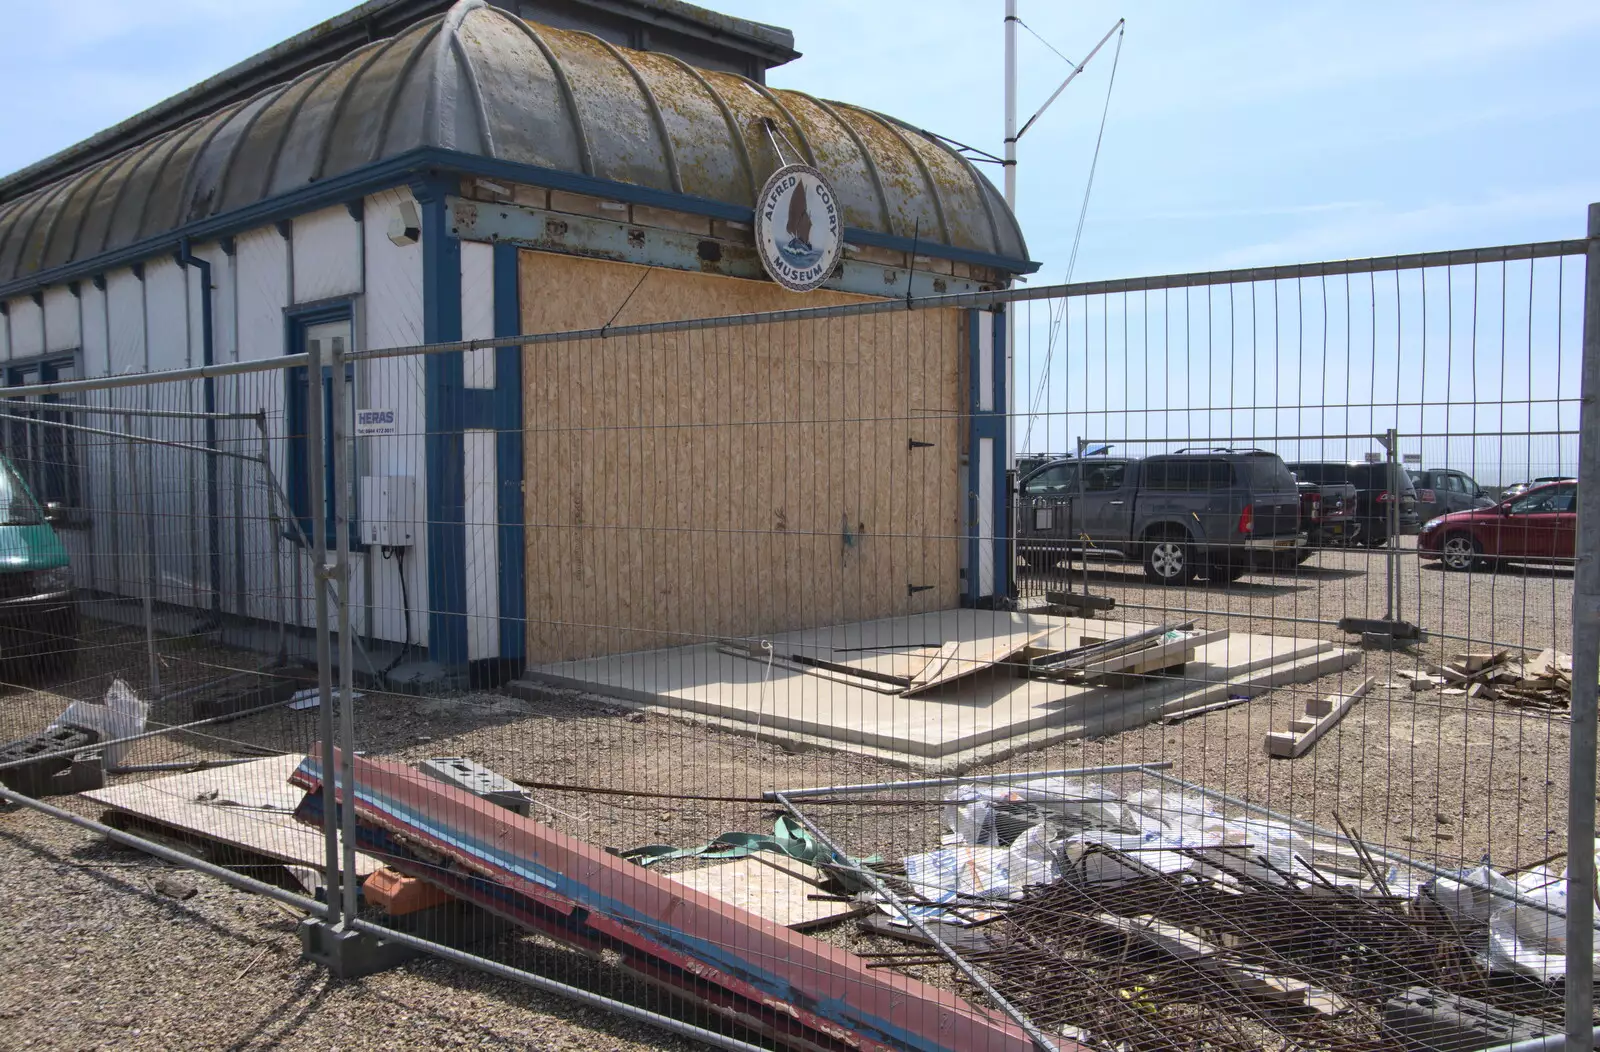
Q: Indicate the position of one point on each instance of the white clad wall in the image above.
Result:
(94, 563)
(392, 316)
(155, 323)
(477, 312)
(327, 255)
(61, 328)
(27, 328)
(262, 260)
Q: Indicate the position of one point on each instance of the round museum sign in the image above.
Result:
(798, 233)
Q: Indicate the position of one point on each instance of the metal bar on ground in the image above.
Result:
(318, 909)
(1457, 875)
(945, 950)
(979, 779)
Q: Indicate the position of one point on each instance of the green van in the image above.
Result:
(38, 611)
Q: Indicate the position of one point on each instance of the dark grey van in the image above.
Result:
(1219, 513)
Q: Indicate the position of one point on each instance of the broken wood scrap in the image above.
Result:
(1321, 715)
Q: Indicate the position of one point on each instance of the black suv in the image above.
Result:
(1218, 512)
(1375, 491)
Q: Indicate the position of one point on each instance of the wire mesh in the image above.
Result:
(1263, 528)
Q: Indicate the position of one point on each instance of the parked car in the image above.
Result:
(1374, 493)
(1441, 491)
(1327, 515)
(1517, 489)
(1539, 525)
(1220, 513)
(38, 611)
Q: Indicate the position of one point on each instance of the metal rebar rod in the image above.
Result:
(1585, 668)
(1310, 829)
(979, 779)
(960, 963)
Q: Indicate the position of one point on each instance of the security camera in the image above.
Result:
(405, 226)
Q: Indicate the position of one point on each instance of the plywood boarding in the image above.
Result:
(736, 481)
(249, 806)
(771, 886)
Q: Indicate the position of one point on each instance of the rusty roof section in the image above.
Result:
(481, 81)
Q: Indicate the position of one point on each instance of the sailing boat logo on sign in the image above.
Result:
(797, 227)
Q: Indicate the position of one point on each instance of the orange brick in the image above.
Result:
(397, 894)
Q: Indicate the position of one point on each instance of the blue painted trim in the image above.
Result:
(296, 320)
(509, 456)
(988, 424)
(999, 432)
(446, 414)
(970, 591)
(434, 164)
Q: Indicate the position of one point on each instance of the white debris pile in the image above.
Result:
(1527, 936)
(1005, 838)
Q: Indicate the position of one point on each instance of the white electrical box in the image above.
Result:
(386, 509)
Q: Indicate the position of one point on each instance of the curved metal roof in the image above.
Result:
(479, 80)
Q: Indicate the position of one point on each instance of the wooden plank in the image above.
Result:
(771, 886)
(1291, 743)
(810, 670)
(936, 663)
(985, 655)
(248, 806)
(1162, 655)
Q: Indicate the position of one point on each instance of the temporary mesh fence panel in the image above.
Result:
(690, 667)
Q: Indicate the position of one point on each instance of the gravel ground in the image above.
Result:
(111, 962)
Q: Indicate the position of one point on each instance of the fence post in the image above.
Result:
(1585, 669)
(341, 574)
(1391, 443)
(148, 562)
(317, 494)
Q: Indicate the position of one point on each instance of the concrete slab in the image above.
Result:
(985, 713)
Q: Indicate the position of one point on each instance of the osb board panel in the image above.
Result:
(734, 481)
(248, 805)
(771, 886)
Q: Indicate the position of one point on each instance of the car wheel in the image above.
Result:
(1305, 553)
(1460, 552)
(1169, 559)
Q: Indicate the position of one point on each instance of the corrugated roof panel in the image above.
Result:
(842, 155)
(527, 105)
(356, 137)
(480, 81)
(711, 156)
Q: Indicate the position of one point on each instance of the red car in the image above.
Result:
(1539, 525)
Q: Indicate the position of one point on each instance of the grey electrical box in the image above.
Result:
(479, 781)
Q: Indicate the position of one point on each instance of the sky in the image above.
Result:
(1235, 134)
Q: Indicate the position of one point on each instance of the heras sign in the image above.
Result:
(798, 234)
